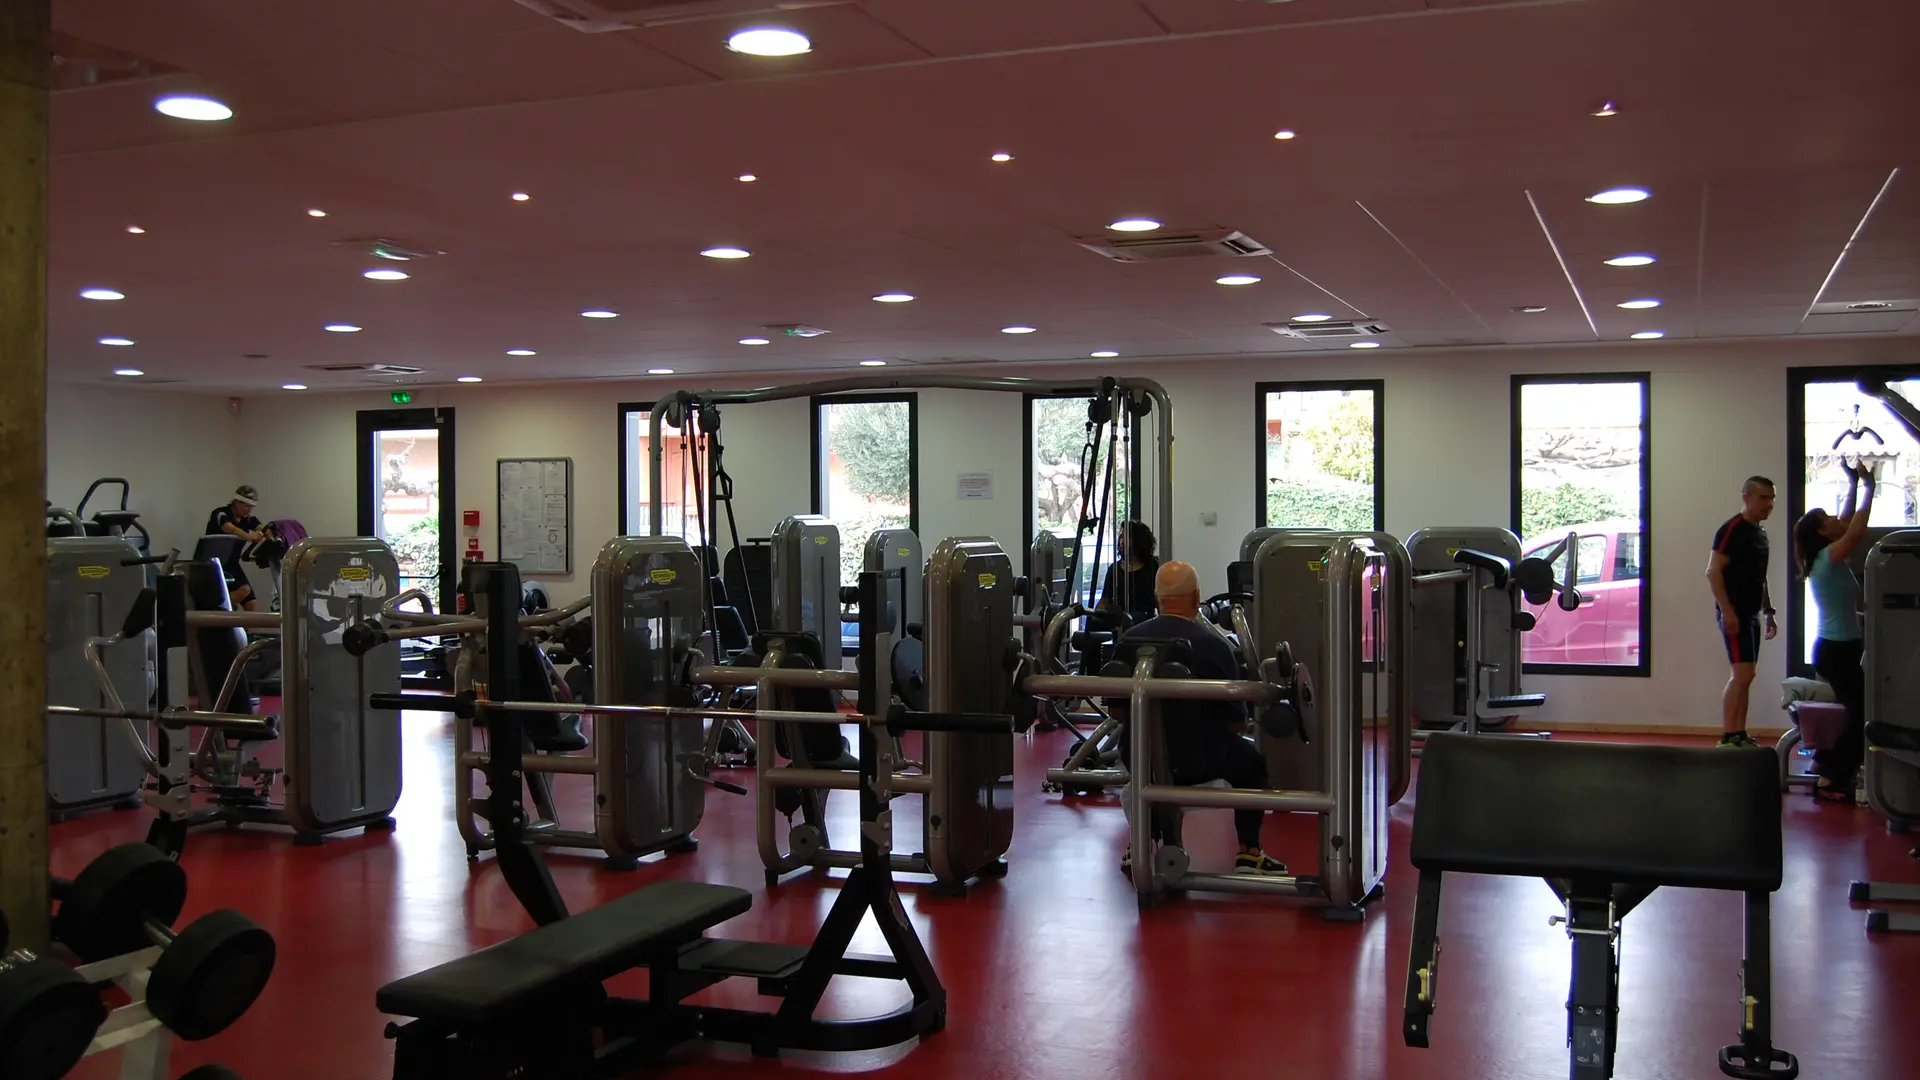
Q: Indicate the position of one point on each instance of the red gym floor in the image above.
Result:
(1052, 973)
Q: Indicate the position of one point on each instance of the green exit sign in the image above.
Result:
(401, 397)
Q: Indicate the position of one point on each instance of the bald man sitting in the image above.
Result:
(1204, 739)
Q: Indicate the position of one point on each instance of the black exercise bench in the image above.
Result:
(1605, 825)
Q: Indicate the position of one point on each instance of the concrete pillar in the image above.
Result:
(25, 52)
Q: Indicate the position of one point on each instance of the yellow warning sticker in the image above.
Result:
(663, 576)
(94, 571)
(1451, 552)
(821, 540)
(988, 581)
(355, 573)
(906, 553)
(1316, 565)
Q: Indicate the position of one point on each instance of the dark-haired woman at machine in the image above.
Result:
(1822, 544)
(1128, 587)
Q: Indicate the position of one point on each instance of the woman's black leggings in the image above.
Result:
(1838, 663)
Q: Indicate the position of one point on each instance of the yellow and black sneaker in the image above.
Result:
(1256, 862)
(1739, 740)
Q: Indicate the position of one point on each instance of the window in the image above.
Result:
(1059, 463)
(1580, 468)
(1831, 421)
(683, 471)
(1321, 455)
(866, 469)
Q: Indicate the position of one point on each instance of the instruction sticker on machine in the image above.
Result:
(663, 576)
(357, 580)
(988, 581)
(94, 572)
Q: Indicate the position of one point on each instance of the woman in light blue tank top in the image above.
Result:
(1822, 544)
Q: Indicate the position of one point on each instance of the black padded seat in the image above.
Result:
(1517, 701)
(1893, 736)
(1600, 812)
(505, 983)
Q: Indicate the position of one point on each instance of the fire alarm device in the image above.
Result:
(470, 518)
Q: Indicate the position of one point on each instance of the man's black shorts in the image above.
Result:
(1742, 647)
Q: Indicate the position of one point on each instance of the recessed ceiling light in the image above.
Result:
(1134, 225)
(659, 371)
(1237, 279)
(1649, 335)
(316, 212)
(1529, 309)
(873, 363)
(895, 298)
(1639, 305)
(1017, 329)
(770, 41)
(1607, 109)
(385, 275)
(121, 341)
(102, 294)
(1620, 196)
(1364, 345)
(1314, 317)
(521, 352)
(1104, 354)
(599, 313)
(746, 178)
(1003, 157)
(135, 230)
(293, 386)
(1631, 260)
(186, 107)
(755, 341)
(128, 372)
(468, 379)
(1283, 134)
(519, 196)
(342, 328)
(727, 253)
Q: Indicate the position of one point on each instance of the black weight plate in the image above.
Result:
(5, 933)
(211, 974)
(103, 912)
(48, 1016)
(212, 1072)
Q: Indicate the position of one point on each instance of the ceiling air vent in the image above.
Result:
(370, 370)
(381, 247)
(1864, 307)
(602, 16)
(78, 64)
(1324, 330)
(799, 330)
(1211, 244)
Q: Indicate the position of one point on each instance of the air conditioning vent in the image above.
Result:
(602, 16)
(799, 330)
(1864, 307)
(78, 64)
(1322, 331)
(1211, 244)
(372, 370)
(382, 247)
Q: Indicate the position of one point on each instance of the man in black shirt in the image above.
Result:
(236, 519)
(1737, 573)
(1204, 739)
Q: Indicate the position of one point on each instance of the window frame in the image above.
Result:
(645, 408)
(1644, 379)
(1260, 478)
(1797, 379)
(816, 421)
(1030, 524)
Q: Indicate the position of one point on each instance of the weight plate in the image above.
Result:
(211, 974)
(48, 1015)
(103, 912)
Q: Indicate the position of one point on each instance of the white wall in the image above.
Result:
(1718, 415)
(177, 451)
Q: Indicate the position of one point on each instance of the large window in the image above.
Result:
(1831, 422)
(1060, 467)
(1580, 459)
(683, 474)
(866, 466)
(1322, 458)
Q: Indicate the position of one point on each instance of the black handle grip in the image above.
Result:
(1234, 597)
(461, 704)
(362, 638)
(731, 789)
(899, 720)
(145, 560)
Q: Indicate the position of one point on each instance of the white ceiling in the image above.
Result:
(1429, 131)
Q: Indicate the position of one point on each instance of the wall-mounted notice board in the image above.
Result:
(536, 514)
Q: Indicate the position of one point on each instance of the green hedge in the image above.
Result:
(1543, 510)
(1328, 503)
